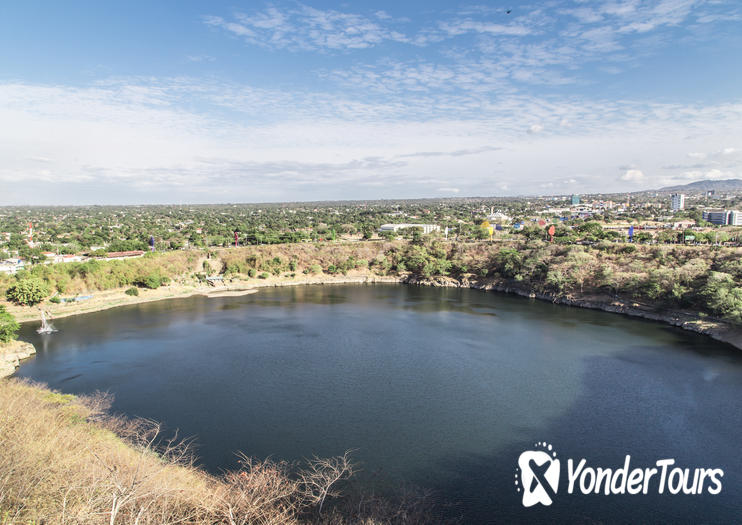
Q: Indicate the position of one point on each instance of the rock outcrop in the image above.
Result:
(11, 355)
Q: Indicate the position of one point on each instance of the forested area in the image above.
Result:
(703, 278)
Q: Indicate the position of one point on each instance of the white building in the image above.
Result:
(426, 228)
(11, 266)
(53, 258)
(498, 218)
(678, 201)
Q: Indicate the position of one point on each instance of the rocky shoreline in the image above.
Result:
(718, 330)
(11, 355)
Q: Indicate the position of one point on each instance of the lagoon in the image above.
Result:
(438, 387)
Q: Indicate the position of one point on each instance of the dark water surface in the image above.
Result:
(443, 388)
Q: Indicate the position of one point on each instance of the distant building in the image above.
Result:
(498, 218)
(678, 201)
(715, 216)
(551, 211)
(602, 205)
(53, 258)
(12, 266)
(426, 228)
(723, 217)
(683, 225)
(583, 209)
(575, 199)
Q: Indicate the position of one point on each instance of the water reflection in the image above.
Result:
(435, 386)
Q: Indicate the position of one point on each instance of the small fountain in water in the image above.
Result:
(46, 326)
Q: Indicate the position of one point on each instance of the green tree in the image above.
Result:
(723, 296)
(642, 237)
(591, 230)
(509, 262)
(28, 291)
(152, 280)
(8, 326)
(388, 235)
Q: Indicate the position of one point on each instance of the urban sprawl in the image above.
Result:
(50, 235)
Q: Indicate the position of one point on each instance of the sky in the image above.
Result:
(174, 101)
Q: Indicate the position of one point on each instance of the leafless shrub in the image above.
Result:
(260, 492)
(321, 476)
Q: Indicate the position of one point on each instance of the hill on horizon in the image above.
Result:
(706, 185)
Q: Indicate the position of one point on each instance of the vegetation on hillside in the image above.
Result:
(670, 277)
(706, 279)
(150, 271)
(8, 326)
(28, 290)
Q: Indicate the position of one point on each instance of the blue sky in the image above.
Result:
(174, 101)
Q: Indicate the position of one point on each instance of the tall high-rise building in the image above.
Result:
(678, 201)
(575, 199)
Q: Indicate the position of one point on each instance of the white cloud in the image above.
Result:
(535, 128)
(308, 29)
(633, 175)
(533, 47)
(461, 27)
(586, 15)
(143, 137)
(649, 17)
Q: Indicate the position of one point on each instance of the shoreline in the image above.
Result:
(109, 299)
(718, 330)
(715, 329)
(115, 298)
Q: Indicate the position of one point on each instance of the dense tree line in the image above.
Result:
(706, 279)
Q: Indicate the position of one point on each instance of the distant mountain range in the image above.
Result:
(707, 185)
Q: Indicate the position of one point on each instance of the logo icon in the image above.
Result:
(537, 475)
